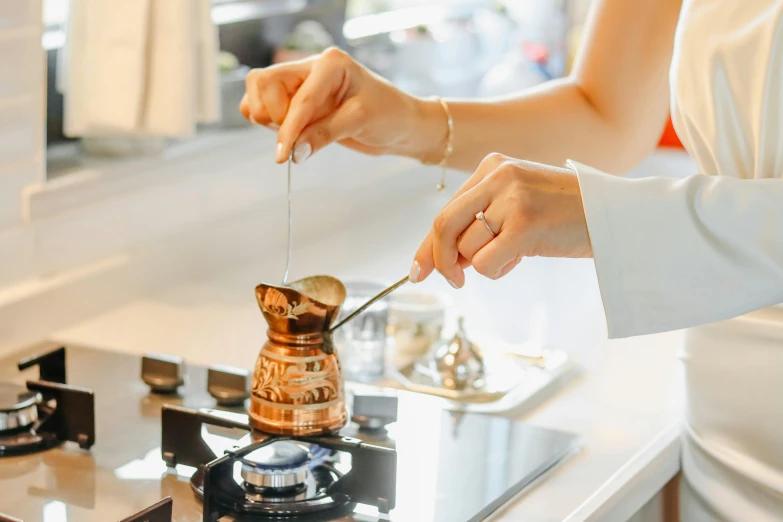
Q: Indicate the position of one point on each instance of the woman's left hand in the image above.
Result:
(531, 209)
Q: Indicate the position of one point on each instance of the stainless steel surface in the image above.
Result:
(18, 407)
(21, 418)
(451, 466)
(370, 302)
(458, 363)
(277, 480)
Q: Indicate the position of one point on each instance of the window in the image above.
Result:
(446, 47)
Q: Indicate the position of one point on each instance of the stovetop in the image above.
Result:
(449, 466)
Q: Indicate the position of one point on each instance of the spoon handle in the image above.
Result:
(369, 303)
(290, 224)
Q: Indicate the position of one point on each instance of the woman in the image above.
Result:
(669, 254)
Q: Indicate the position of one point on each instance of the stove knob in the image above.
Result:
(229, 386)
(373, 411)
(162, 373)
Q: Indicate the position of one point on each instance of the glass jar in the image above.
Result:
(361, 343)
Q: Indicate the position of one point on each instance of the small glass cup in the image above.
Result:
(416, 322)
(361, 343)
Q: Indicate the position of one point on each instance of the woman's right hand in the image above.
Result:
(330, 97)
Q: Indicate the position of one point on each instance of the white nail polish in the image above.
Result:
(302, 151)
(279, 152)
(415, 272)
(453, 284)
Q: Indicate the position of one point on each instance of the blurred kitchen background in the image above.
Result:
(462, 48)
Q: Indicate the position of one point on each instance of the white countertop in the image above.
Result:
(625, 403)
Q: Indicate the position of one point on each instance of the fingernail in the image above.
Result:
(453, 284)
(253, 120)
(415, 272)
(279, 153)
(274, 126)
(302, 151)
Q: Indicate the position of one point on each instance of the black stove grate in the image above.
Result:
(67, 413)
(159, 512)
(371, 479)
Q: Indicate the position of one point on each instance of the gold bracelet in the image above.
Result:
(449, 147)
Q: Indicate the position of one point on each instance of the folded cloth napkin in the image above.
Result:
(139, 67)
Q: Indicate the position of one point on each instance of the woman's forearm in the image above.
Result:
(548, 124)
(610, 113)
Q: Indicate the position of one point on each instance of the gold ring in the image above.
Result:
(480, 217)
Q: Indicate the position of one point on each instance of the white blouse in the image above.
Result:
(674, 254)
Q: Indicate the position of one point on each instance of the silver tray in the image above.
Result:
(514, 375)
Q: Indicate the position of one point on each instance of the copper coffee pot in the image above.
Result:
(297, 381)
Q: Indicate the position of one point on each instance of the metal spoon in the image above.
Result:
(328, 347)
(290, 223)
(370, 302)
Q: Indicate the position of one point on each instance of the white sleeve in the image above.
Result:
(671, 254)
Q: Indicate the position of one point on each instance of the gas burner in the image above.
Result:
(304, 489)
(280, 466)
(276, 477)
(273, 492)
(47, 412)
(18, 408)
(19, 412)
(272, 478)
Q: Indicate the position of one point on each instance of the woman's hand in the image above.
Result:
(532, 209)
(330, 97)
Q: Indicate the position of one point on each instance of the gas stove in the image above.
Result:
(47, 411)
(175, 445)
(268, 476)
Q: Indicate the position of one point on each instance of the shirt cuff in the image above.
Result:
(611, 278)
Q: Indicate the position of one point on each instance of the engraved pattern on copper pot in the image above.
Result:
(297, 388)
